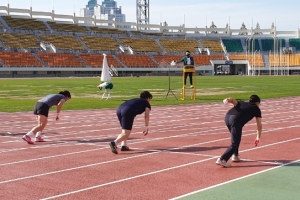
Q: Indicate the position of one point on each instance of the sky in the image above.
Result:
(193, 13)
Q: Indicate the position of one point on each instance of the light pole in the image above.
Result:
(248, 40)
(253, 63)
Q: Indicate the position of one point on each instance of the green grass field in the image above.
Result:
(21, 94)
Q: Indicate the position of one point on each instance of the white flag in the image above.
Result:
(105, 76)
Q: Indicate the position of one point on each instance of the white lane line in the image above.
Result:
(145, 141)
(76, 168)
(233, 180)
(109, 183)
(127, 179)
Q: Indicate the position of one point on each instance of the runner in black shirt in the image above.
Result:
(235, 119)
(126, 113)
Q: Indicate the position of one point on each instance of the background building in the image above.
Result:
(89, 10)
(108, 10)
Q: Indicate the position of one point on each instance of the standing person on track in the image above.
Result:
(126, 113)
(187, 60)
(235, 119)
(41, 109)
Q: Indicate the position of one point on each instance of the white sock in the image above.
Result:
(38, 134)
(123, 143)
(30, 134)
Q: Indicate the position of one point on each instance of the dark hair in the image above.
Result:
(66, 93)
(254, 99)
(187, 51)
(146, 95)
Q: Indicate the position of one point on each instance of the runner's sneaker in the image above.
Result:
(125, 148)
(27, 139)
(235, 158)
(39, 139)
(191, 86)
(113, 147)
(223, 163)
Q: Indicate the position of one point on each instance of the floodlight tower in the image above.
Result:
(142, 12)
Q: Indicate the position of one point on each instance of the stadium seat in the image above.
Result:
(100, 43)
(96, 60)
(19, 59)
(66, 42)
(214, 45)
(233, 45)
(179, 45)
(25, 24)
(138, 60)
(295, 42)
(22, 41)
(60, 59)
(64, 27)
(141, 44)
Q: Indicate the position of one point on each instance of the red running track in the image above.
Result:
(177, 157)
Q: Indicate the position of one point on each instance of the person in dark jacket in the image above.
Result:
(187, 60)
(235, 119)
(126, 113)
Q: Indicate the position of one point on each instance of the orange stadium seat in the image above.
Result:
(19, 59)
(292, 60)
(60, 59)
(205, 59)
(96, 60)
(165, 60)
(139, 60)
(256, 60)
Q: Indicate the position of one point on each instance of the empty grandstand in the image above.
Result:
(45, 46)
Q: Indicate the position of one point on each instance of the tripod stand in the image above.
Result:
(170, 87)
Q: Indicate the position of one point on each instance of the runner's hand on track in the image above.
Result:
(256, 141)
(145, 132)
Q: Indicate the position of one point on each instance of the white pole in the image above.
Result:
(270, 73)
(160, 17)
(259, 66)
(254, 62)
(288, 71)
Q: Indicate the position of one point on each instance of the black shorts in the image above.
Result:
(125, 118)
(41, 108)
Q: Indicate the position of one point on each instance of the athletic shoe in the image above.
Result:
(125, 148)
(223, 163)
(39, 139)
(113, 147)
(191, 86)
(235, 158)
(27, 139)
